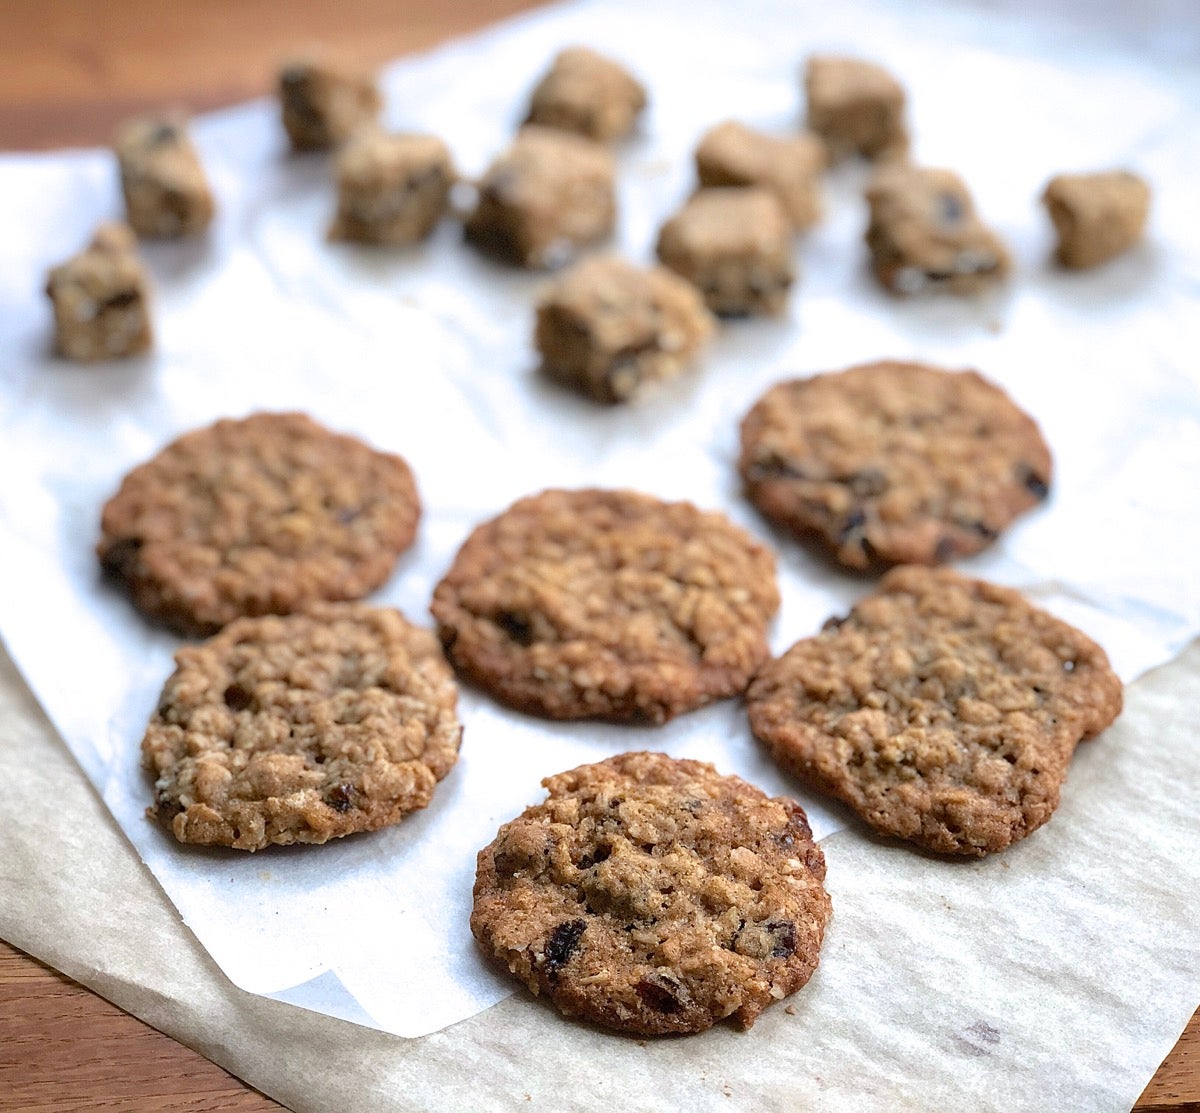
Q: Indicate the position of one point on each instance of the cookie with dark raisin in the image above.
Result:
(303, 728)
(263, 515)
(101, 299)
(944, 710)
(925, 234)
(607, 604)
(893, 463)
(652, 895)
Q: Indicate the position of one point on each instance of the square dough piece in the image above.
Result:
(1096, 216)
(608, 328)
(324, 103)
(735, 244)
(924, 234)
(166, 191)
(101, 299)
(549, 194)
(392, 189)
(589, 94)
(732, 154)
(856, 106)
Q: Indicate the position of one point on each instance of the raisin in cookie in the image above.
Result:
(943, 710)
(607, 604)
(302, 728)
(259, 516)
(893, 463)
(653, 895)
(101, 299)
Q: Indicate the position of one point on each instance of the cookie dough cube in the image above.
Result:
(924, 234)
(101, 299)
(735, 245)
(549, 194)
(392, 189)
(856, 106)
(585, 92)
(732, 154)
(324, 103)
(166, 191)
(608, 328)
(1096, 216)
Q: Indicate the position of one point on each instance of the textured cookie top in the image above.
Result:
(550, 193)
(893, 462)
(624, 304)
(108, 267)
(101, 298)
(259, 516)
(302, 728)
(1096, 215)
(586, 92)
(732, 154)
(544, 167)
(325, 100)
(376, 159)
(158, 148)
(834, 81)
(726, 221)
(924, 233)
(619, 312)
(653, 895)
(609, 604)
(943, 710)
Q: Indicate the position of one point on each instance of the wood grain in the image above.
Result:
(62, 1048)
(69, 71)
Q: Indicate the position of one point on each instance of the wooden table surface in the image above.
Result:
(69, 71)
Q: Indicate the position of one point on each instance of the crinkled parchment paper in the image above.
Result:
(954, 974)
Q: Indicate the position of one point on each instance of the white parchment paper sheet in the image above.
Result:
(427, 353)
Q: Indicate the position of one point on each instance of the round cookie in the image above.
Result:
(893, 463)
(653, 895)
(302, 728)
(607, 604)
(259, 516)
(944, 710)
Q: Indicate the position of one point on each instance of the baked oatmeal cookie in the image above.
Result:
(609, 329)
(732, 154)
(301, 728)
(856, 107)
(324, 102)
(1096, 216)
(263, 515)
(589, 94)
(607, 604)
(653, 895)
(167, 193)
(943, 710)
(391, 189)
(925, 234)
(550, 194)
(734, 243)
(101, 299)
(893, 463)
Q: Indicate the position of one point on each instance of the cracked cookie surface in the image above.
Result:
(653, 895)
(943, 710)
(302, 728)
(893, 463)
(264, 515)
(607, 604)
